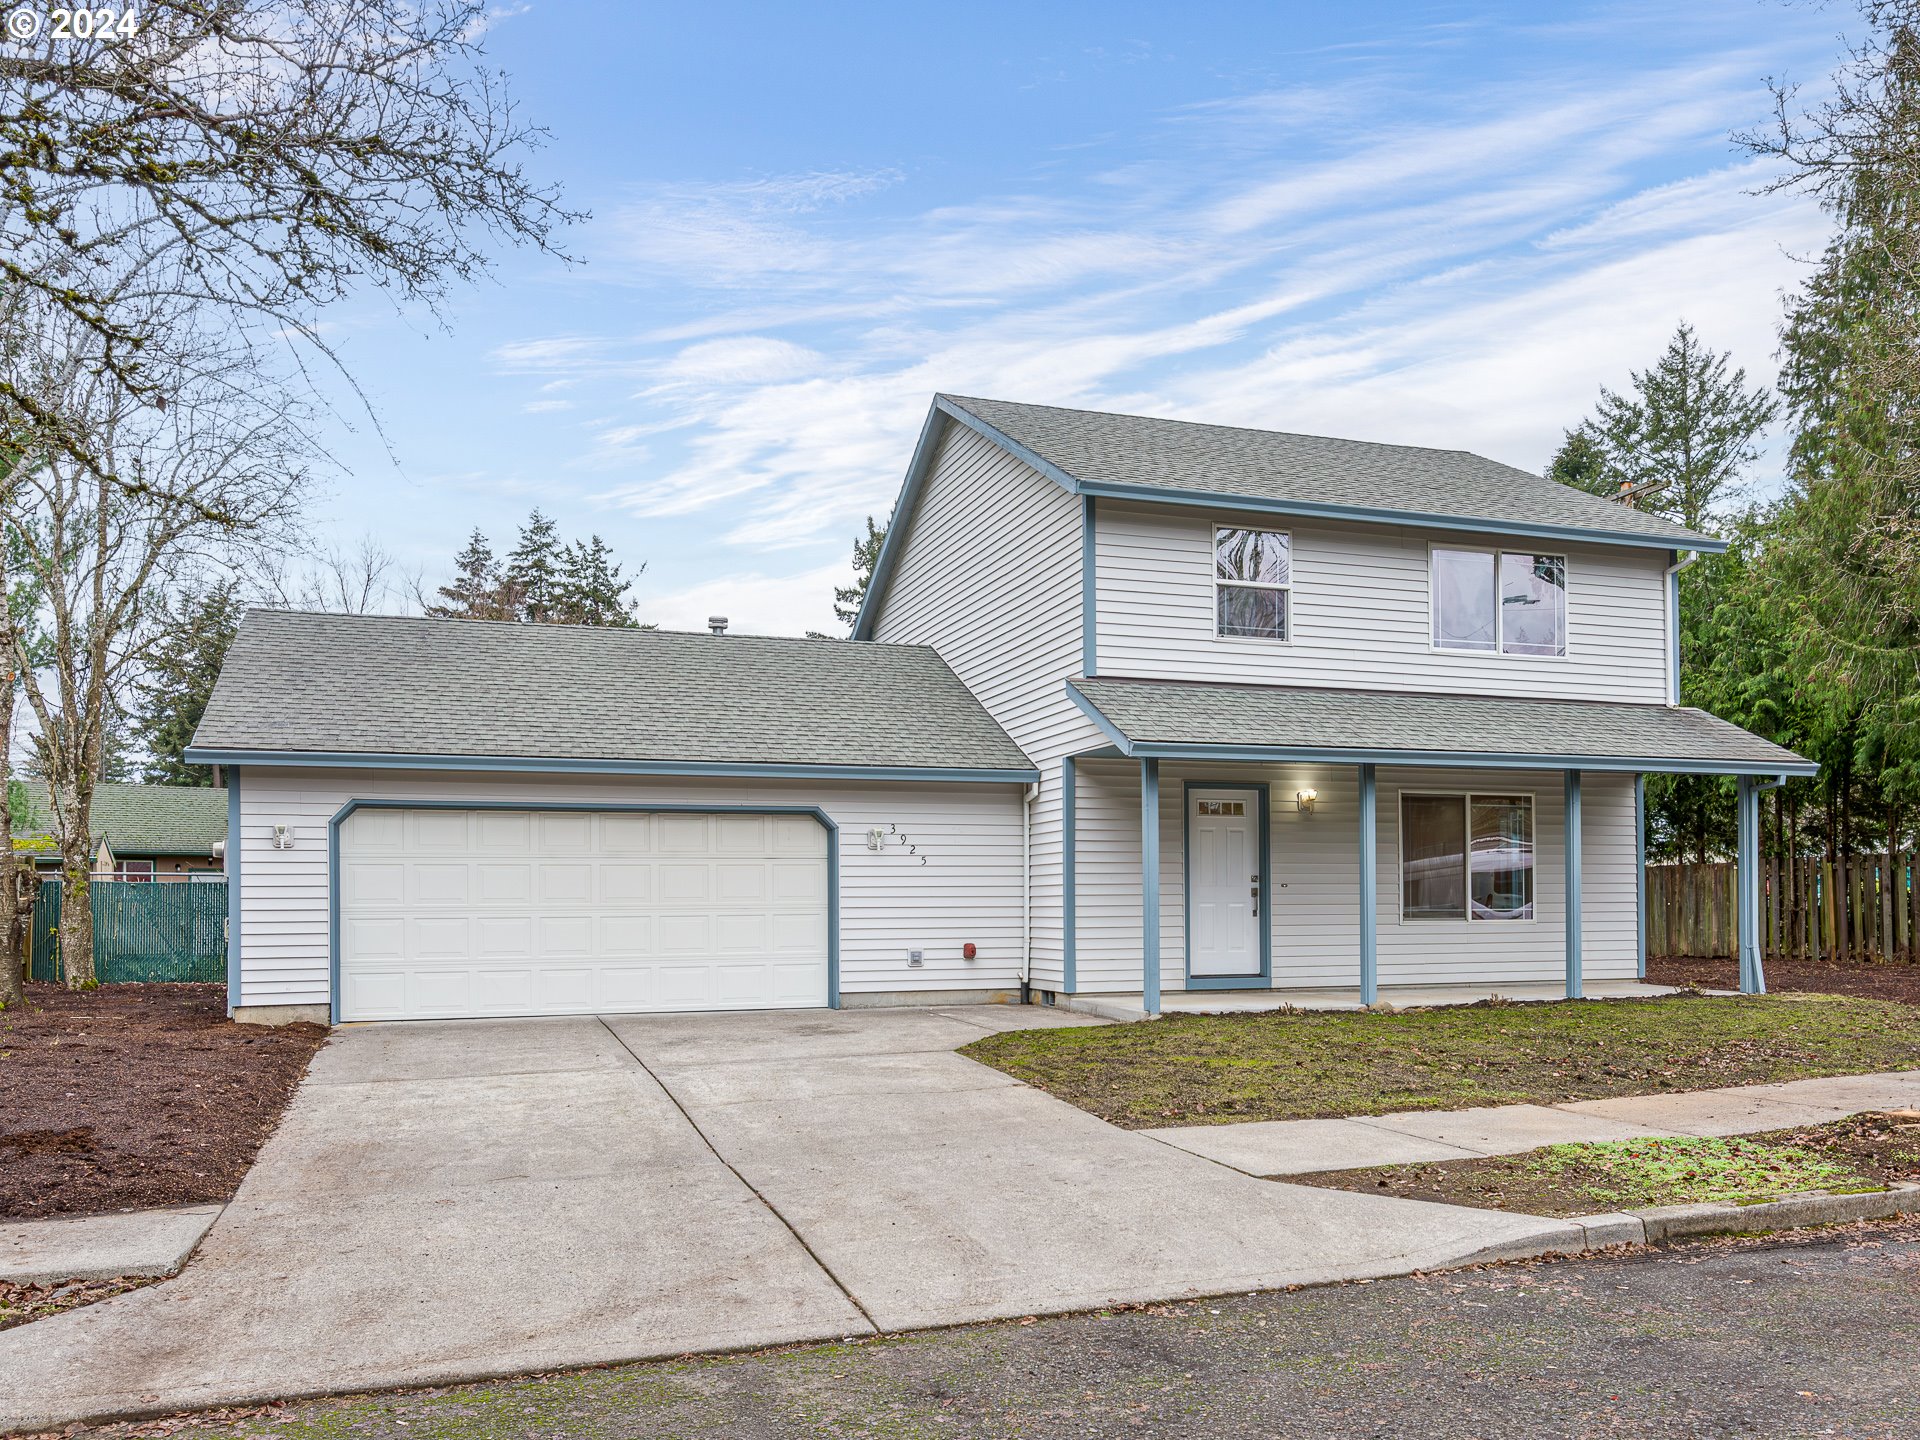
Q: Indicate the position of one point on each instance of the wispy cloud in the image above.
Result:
(1463, 275)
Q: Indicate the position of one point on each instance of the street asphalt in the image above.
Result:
(1811, 1334)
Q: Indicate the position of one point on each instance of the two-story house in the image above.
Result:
(1134, 708)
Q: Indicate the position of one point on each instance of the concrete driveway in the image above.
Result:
(459, 1200)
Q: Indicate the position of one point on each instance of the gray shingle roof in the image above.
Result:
(1365, 724)
(143, 819)
(389, 685)
(1318, 474)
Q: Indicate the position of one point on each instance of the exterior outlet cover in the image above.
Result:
(916, 957)
(876, 839)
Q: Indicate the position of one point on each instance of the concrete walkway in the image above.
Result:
(458, 1201)
(1300, 1147)
(102, 1247)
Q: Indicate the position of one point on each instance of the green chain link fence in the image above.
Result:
(143, 930)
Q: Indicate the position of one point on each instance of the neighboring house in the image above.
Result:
(1358, 714)
(141, 832)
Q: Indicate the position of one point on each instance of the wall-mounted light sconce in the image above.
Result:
(1303, 801)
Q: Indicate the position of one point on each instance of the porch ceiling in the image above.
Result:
(1179, 720)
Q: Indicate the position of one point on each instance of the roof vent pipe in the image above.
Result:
(717, 624)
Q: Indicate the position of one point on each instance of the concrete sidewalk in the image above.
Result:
(458, 1201)
(102, 1247)
(1274, 1148)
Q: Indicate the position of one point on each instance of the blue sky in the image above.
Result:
(1434, 224)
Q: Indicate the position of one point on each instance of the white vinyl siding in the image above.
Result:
(1312, 902)
(890, 903)
(990, 578)
(1359, 614)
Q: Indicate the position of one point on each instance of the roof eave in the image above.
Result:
(1133, 748)
(564, 765)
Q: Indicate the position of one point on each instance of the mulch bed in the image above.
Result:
(21, 1303)
(131, 1096)
(1899, 983)
(1878, 1147)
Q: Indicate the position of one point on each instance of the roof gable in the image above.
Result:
(1183, 462)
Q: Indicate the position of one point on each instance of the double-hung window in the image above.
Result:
(1466, 857)
(1252, 584)
(1505, 602)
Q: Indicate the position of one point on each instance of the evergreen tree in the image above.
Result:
(1581, 461)
(196, 629)
(590, 590)
(533, 570)
(1682, 440)
(476, 591)
(847, 599)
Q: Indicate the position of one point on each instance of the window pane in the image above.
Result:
(1533, 604)
(1247, 612)
(1463, 599)
(1432, 859)
(1502, 857)
(1262, 555)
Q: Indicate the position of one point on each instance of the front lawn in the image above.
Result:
(1862, 1152)
(1217, 1069)
(132, 1096)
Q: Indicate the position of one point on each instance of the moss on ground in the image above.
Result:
(1216, 1069)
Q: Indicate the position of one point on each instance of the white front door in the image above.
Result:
(1223, 853)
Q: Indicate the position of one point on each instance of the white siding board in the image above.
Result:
(1360, 612)
(969, 889)
(990, 577)
(1312, 903)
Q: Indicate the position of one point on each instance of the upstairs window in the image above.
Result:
(1252, 584)
(1505, 602)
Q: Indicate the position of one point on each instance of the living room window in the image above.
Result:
(1252, 584)
(1506, 602)
(1466, 857)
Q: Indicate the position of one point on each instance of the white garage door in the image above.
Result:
(447, 913)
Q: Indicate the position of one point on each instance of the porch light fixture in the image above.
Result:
(1303, 801)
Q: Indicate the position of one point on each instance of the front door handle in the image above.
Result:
(1255, 892)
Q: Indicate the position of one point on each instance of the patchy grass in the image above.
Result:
(1863, 1152)
(1217, 1069)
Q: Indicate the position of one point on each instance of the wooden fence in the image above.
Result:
(1859, 907)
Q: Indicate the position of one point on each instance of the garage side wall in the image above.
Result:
(890, 903)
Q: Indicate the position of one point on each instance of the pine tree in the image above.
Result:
(197, 629)
(476, 592)
(1581, 461)
(847, 599)
(590, 590)
(1682, 440)
(533, 569)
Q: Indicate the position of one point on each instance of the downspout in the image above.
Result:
(1026, 893)
(1673, 623)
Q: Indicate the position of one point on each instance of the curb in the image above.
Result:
(1724, 1217)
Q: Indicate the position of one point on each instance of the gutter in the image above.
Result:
(1026, 893)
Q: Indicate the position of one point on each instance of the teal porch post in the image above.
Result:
(1369, 891)
(1640, 875)
(1150, 886)
(1753, 979)
(1574, 990)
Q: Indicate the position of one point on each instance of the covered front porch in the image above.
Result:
(1326, 849)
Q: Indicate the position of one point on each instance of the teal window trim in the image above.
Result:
(1069, 877)
(1264, 979)
(1571, 840)
(341, 815)
(231, 862)
(552, 765)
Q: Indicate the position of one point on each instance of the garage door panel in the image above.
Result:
(480, 912)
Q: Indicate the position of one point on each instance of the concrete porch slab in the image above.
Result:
(102, 1247)
(1268, 1148)
(1130, 1007)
